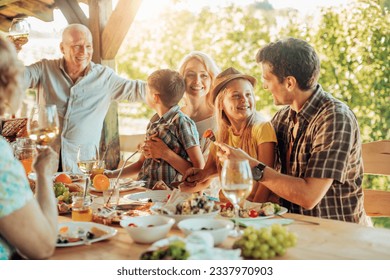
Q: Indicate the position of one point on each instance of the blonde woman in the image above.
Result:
(239, 125)
(199, 71)
(28, 224)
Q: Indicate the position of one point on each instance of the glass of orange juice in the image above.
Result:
(26, 157)
(98, 169)
(81, 208)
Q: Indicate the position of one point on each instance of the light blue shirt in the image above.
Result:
(15, 191)
(82, 106)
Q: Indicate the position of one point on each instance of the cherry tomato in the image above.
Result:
(229, 205)
(253, 213)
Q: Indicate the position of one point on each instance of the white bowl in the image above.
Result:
(148, 229)
(218, 228)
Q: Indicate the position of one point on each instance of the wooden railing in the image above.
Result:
(376, 161)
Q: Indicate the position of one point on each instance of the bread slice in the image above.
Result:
(97, 232)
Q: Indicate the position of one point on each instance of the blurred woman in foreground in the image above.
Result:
(28, 224)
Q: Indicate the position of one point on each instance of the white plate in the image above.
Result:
(124, 186)
(73, 226)
(155, 196)
(282, 211)
(74, 177)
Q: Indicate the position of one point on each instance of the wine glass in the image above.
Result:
(42, 126)
(87, 160)
(19, 30)
(237, 184)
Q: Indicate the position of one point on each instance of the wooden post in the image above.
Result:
(99, 13)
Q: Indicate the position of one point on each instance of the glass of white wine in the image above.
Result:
(237, 184)
(19, 31)
(43, 124)
(87, 160)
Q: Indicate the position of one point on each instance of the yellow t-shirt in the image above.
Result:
(261, 133)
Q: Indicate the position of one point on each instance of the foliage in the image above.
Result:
(381, 222)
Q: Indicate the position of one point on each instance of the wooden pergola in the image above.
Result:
(108, 26)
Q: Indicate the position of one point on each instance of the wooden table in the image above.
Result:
(330, 240)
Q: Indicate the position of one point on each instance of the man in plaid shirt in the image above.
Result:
(319, 145)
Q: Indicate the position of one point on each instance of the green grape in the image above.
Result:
(249, 245)
(264, 247)
(256, 255)
(272, 241)
(247, 253)
(252, 237)
(280, 238)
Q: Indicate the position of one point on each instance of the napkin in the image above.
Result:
(200, 246)
(175, 198)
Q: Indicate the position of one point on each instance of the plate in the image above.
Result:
(155, 196)
(75, 177)
(124, 186)
(74, 226)
(282, 211)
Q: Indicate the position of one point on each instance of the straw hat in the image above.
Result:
(225, 77)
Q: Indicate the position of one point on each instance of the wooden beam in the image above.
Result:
(35, 9)
(7, 2)
(4, 24)
(72, 11)
(117, 27)
(99, 13)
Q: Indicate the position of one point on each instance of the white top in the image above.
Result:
(82, 106)
(202, 126)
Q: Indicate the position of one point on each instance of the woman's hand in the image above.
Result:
(155, 148)
(46, 162)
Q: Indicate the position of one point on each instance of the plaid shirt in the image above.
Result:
(179, 133)
(327, 145)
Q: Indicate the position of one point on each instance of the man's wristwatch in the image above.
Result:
(258, 171)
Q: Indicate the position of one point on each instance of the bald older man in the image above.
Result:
(82, 91)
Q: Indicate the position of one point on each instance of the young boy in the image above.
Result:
(168, 127)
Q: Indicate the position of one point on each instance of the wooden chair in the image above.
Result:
(376, 161)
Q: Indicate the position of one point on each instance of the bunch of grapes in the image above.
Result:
(62, 193)
(176, 250)
(265, 243)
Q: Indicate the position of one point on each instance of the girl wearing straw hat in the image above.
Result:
(239, 125)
